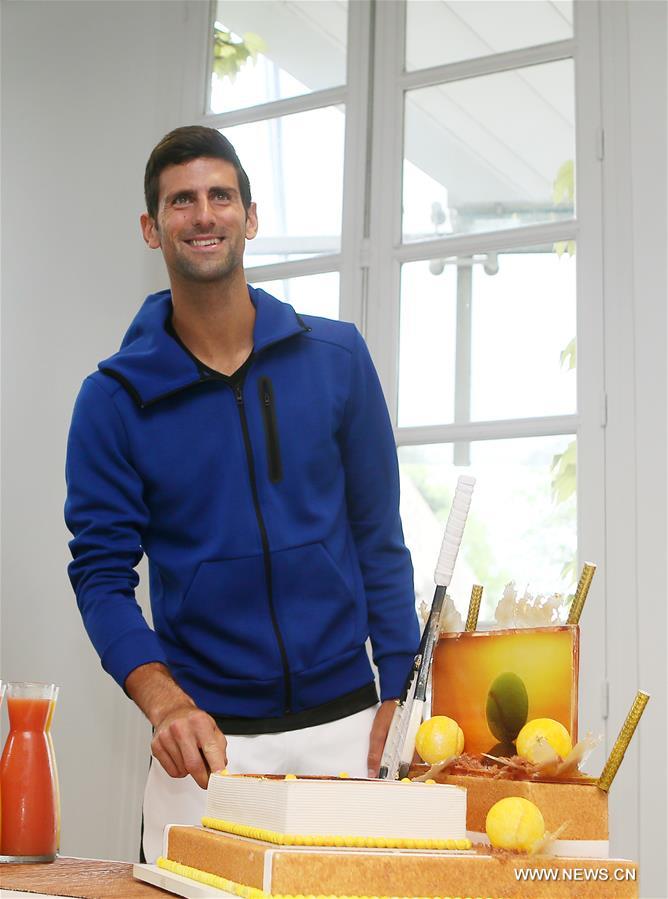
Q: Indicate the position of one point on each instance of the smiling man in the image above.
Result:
(248, 452)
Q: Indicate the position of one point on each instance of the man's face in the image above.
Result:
(201, 225)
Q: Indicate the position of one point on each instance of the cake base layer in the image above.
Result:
(581, 807)
(295, 871)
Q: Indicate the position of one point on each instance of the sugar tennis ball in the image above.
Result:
(515, 823)
(507, 706)
(535, 732)
(439, 738)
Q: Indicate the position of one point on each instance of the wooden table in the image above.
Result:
(78, 877)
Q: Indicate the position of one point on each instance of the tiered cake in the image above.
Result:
(267, 836)
(341, 837)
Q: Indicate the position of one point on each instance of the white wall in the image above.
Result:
(88, 88)
(635, 288)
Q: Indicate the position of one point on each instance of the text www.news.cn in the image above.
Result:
(579, 875)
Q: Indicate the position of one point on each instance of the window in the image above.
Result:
(278, 91)
(415, 167)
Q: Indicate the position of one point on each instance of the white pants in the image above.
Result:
(326, 749)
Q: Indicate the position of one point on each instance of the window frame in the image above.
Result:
(381, 304)
(354, 97)
(372, 251)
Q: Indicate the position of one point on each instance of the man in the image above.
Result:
(248, 452)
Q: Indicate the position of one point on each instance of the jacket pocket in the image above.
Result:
(266, 392)
(224, 619)
(319, 616)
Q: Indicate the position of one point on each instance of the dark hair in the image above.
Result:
(183, 145)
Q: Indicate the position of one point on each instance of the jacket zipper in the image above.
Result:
(270, 430)
(238, 393)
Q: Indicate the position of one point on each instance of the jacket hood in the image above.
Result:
(152, 364)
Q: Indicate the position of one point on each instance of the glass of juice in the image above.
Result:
(27, 779)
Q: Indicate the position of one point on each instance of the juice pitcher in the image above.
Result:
(29, 830)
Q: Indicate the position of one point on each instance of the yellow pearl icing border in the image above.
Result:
(221, 883)
(298, 839)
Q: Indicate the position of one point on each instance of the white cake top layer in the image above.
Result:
(340, 807)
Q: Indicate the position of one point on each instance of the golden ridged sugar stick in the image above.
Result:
(474, 608)
(623, 740)
(584, 584)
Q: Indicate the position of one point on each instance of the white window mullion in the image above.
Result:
(590, 371)
(356, 158)
(481, 242)
(488, 65)
(295, 268)
(622, 514)
(213, 10)
(332, 96)
(382, 313)
(196, 47)
(505, 429)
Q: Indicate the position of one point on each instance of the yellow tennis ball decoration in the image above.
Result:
(515, 823)
(532, 739)
(439, 738)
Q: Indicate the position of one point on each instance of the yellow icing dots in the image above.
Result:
(344, 774)
(221, 883)
(298, 839)
(406, 780)
(291, 777)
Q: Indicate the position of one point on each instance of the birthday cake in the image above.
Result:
(272, 837)
(343, 838)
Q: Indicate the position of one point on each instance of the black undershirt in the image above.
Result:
(334, 710)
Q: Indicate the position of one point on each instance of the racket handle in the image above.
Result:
(454, 530)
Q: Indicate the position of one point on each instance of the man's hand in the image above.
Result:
(379, 729)
(188, 741)
(185, 740)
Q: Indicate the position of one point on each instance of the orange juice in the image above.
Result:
(29, 815)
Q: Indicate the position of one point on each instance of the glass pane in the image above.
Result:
(522, 523)
(308, 294)
(267, 51)
(438, 32)
(490, 152)
(295, 167)
(487, 337)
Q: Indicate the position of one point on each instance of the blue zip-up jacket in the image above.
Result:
(268, 509)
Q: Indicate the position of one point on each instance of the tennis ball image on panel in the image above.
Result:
(507, 707)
